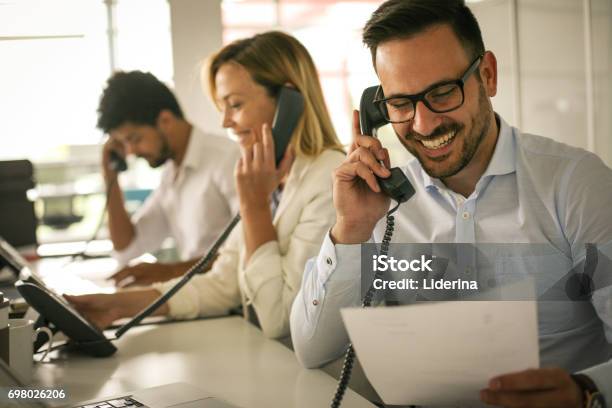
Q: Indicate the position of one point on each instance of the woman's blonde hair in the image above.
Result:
(273, 59)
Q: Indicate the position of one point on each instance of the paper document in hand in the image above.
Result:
(442, 353)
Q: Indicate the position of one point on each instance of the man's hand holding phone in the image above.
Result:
(111, 147)
(359, 202)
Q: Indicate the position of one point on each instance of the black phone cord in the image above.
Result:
(349, 358)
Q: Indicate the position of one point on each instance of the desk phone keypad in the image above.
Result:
(116, 403)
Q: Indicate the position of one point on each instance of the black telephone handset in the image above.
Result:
(397, 186)
(116, 162)
(289, 109)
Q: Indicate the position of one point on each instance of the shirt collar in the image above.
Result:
(504, 155)
(502, 162)
(193, 155)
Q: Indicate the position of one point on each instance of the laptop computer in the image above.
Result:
(176, 395)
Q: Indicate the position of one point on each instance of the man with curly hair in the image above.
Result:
(196, 196)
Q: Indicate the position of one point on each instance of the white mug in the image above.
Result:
(21, 348)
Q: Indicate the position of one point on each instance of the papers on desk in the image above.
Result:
(442, 353)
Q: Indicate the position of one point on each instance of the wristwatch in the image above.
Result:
(591, 395)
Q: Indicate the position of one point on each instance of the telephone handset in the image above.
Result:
(289, 109)
(116, 162)
(397, 186)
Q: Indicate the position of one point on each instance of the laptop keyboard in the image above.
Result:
(115, 403)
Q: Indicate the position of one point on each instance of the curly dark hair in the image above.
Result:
(136, 97)
(405, 18)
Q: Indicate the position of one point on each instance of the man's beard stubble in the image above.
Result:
(480, 127)
(165, 153)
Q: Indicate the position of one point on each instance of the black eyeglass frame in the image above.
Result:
(382, 103)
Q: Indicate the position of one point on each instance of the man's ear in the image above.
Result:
(488, 73)
(165, 120)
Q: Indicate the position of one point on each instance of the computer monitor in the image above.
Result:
(17, 218)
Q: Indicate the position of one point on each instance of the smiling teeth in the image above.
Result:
(439, 141)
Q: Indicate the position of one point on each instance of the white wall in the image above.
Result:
(552, 75)
(196, 33)
(602, 67)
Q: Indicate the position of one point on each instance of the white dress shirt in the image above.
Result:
(193, 202)
(534, 190)
(270, 279)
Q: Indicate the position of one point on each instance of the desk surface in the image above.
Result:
(226, 356)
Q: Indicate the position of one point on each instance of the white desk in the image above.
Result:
(227, 357)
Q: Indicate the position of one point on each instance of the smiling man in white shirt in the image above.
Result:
(477, 180)
(196, 197)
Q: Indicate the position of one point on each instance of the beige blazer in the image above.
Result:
(271, 279)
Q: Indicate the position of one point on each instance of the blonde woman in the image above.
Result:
(285, 212)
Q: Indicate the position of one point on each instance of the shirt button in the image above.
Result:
(466, 215)
(329, 261)
(315, 302)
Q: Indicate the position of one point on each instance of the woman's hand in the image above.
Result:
(147, 273)
(103, 309)
(256, 173)
(256, 178)
(144, 274)
(100, 309)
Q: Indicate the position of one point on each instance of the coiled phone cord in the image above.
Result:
(349, 358)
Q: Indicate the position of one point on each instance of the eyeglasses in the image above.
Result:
(439, 98)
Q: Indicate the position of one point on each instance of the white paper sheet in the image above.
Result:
(442, 353)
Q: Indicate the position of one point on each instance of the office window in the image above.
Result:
(56, 57)
(55, 60)
(143, 37)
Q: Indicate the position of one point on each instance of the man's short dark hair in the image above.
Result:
(136, 97)
(396, 19)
